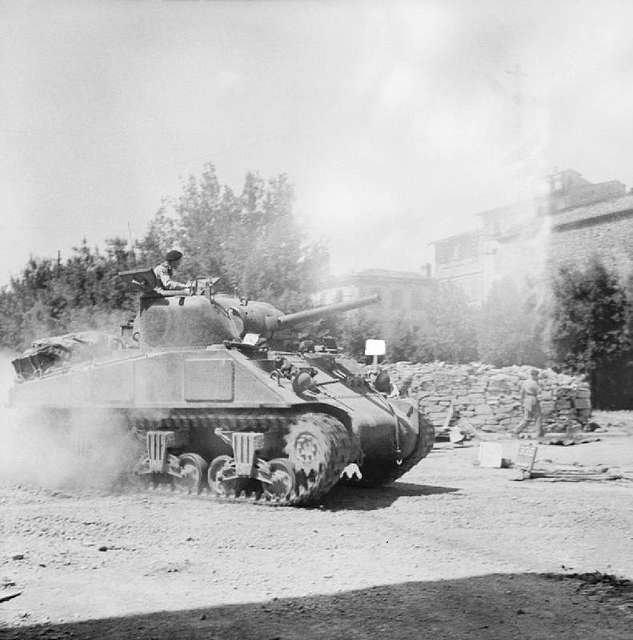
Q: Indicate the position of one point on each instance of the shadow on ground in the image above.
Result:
(363, 499)
(508, 606)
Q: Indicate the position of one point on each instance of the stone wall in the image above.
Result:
(489, 398)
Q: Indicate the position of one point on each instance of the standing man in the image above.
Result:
(531, 405)
(165, 270)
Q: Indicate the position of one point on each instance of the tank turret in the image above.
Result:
(197, 316)
(264, 319)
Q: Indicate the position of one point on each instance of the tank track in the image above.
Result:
(334, 450)
(177, 421)
(385, 473)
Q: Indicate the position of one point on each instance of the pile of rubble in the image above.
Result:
(488, 398)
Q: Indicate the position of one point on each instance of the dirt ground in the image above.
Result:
(452, 550)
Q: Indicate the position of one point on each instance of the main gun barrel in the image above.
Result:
(326, 310)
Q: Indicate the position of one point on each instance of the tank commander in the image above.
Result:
(165, 270)
(531, 405)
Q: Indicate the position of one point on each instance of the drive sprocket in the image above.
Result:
(319, 448)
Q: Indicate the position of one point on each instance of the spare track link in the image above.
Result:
(335, 436)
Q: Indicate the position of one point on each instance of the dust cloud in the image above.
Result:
(91, 450)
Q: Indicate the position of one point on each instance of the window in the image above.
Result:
(467, 248)
(443, 253)
(461, 248)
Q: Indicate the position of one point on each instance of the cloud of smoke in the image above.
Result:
(59, 450)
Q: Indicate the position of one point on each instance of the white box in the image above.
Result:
(490, 454)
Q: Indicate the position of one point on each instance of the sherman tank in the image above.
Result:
(218, 409)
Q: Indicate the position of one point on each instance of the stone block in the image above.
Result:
(483, 409)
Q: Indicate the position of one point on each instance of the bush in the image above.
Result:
(591, 331)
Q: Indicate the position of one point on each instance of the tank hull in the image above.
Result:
(195, 404)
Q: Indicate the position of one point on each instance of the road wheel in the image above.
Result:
(282, 478)
(221, 477)
(193, 474)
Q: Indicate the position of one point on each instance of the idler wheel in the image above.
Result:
(282, 480)
(193, 474)
(221, 476)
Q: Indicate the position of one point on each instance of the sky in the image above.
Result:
(396, 121)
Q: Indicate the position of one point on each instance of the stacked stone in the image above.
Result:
(489, 398)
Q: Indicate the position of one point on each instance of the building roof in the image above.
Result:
(592, 211)
(567, 190)
(583, 215)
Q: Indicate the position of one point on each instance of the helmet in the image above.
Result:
(174, 254)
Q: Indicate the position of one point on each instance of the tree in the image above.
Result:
(357, 327)
(50, 298)
(252, 240)
(449, 333)
(510, 327)
(590, 328)
(403, 341)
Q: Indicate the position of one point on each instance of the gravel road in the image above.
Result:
(450, 551)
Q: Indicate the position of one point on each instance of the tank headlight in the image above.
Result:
(302, 382)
